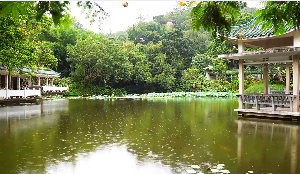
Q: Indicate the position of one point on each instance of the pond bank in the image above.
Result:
(153, 95)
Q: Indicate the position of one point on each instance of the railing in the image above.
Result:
(266, 99)
(19, 93)
(54, 88)
(270, 91)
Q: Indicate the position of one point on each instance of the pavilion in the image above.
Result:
(281, 50)
(31, 81)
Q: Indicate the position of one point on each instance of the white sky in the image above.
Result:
(123, 17)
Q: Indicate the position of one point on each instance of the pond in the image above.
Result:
(143, 136)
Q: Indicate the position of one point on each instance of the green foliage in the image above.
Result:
(220, 67)
(16, 48)
(216, 16)
(258, 87)
(58, 10)
(193, 80)
(145, 32)
(66, 81)
(276, 13)
(243, 18)
(201, 61)
(97, 58)
(76, 89)
(45, 55)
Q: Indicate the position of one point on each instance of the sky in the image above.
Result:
(120, 18)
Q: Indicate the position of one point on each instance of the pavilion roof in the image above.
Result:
(38, 72)
(44, 72)
(251, 30)
(273, 55)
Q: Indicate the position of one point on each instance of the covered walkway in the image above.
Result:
(281, 51)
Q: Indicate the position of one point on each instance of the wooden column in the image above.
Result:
(10, 82)
(18, 83)
(266, 79)
(47, 81)
(287, 80)
(241, 46)
(38, 81)
(241, 79)
(29, 82)
(296, 83)
(6, 81)
(52, 81)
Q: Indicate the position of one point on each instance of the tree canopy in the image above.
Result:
(218, 16)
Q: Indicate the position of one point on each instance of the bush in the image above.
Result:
(76, 89)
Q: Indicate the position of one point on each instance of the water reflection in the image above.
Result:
(139, 136)
(276, 148)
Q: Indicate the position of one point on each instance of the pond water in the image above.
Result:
(143, 136)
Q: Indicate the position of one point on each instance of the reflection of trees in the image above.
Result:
(173, 130)
(179, 131)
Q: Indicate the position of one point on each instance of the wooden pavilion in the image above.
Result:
(281, 51)
(11, 83)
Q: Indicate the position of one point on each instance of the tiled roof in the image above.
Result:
(39, 71)
(249, 30)
(48, 72)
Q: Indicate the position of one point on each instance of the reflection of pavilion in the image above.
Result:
(30, 111)
(18, 118)
(290, 133)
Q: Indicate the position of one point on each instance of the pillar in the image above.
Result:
(29, 82)
(46, 81)
(39, 81)
(241, 46)
(6, 81)
(52, 81)
(241, 76)
(296, 83)
(266, 79)
(10, 85)
(18, 83)
(287, 80)
(241, 79)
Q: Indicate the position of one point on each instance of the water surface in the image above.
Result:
(142, 136)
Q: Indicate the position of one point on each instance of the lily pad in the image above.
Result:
(215, 170)
(224, 171)
(221, 165)
(195, 166)
(191, 171)
(250, 171)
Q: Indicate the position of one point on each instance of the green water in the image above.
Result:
(142, 136)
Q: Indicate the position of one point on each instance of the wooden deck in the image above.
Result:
(282, 113)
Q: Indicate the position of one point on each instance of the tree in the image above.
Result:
(277, 13)
(193, 80)
(220, 67)
(58, 10)
(44, 55)
(179, 50)
(16, 48)
(97, 58)
(215, 16)
(140, 18)
(201, 61)
(148, 31)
